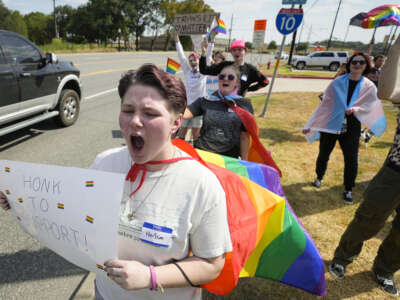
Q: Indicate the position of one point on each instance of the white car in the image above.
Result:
(284, 55)
(326, 59)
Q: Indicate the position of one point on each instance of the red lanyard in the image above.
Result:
(136, 168)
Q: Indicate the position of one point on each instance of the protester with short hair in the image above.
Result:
(381, 199)
(195, 86)
(222, 131)
(165, 189)
(349, 100)
(250, 78)
(375, 72)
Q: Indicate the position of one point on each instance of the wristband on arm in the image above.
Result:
(155, 286)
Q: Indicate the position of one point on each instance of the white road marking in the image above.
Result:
(101, 94)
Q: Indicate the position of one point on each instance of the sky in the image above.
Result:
(317, 24)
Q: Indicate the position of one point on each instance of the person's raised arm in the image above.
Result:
(181, 55)
(389, 80)
(187, 114)
(213, 69)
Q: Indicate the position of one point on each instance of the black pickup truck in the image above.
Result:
(35, 86)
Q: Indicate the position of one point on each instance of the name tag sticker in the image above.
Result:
(156, 235)
(244, 77)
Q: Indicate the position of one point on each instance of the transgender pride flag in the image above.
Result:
(329, 115)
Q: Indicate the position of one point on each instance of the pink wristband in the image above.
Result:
(153, 278)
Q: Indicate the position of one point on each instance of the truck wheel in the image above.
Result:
(68, 108)
(333, 67)
(300, 65)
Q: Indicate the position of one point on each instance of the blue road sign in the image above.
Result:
(288, 20)
(294, 1)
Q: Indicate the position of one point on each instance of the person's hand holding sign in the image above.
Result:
(128, 274)
(3, 201)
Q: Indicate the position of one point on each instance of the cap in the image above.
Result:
(238, 44)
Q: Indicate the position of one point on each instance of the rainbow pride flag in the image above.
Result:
(89, 219)
(89, 183)
(172, 66)
(383, 15)
(7, 169)
(268, 239)
(60, 205)
(221, 28)
(20, 200)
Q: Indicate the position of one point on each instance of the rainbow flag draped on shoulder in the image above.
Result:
(267, 238)
(330, 113)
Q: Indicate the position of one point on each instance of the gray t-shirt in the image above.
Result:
(221, 128)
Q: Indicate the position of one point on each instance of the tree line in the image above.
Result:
(101, 21)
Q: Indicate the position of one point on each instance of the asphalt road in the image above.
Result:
(27, 269)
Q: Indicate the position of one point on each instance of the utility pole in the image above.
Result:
(55, 21)
(293, 43)
(333, 27)
(230, 31)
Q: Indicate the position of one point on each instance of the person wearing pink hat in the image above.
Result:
(251, 79)
(195, 87)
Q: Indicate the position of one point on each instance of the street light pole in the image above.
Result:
(55, 21)
(333, 27)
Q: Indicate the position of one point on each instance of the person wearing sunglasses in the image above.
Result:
(381, 199)
(222, 131)
(349, 100)
(251, 79)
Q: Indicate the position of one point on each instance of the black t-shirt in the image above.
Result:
(220, 132)
(248, 75)
(352, 121)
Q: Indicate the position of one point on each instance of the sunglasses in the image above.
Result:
(361, 62)
(229, 77)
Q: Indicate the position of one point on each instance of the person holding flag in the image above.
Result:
(195, 86)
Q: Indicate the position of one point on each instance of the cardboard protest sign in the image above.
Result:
(74, 212)
(188, 24)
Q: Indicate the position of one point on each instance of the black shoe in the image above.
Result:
(348, 197)
(387, 284)
(337, 270)
(317, 183)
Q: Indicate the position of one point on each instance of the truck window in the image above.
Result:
(342, 54)
(18, 51)
(327, 54)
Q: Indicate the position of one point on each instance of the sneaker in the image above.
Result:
(387, 284)
(348, 197)
(317, 183)
(337, 270)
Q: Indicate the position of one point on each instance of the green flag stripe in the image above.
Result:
(235, 166)
(283, 250)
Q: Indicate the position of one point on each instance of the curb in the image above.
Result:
(85, 289)
(304, 77)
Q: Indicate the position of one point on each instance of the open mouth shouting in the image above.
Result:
(137, 142)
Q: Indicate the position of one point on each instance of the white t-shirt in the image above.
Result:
(195, 81)
(186, 198)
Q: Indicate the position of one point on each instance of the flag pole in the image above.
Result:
(371, 45)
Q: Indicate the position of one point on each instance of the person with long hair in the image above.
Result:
(381, 199)
(349, 100)
(176, 200)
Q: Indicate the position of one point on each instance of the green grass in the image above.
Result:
(285, 69)
(322, 211)
(60, 46)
